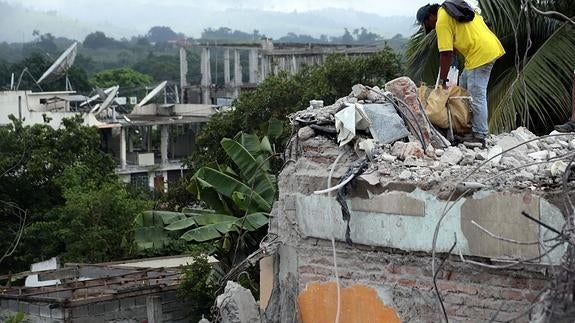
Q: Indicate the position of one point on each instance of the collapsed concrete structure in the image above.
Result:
(469, 234)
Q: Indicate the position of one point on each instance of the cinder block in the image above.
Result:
(141, 301)
(34, 310)
(112, 306)
(45, 311)
(23, 307)
(127, 303)
(57, 313)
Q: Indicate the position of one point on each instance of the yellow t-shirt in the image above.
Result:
(474, 40)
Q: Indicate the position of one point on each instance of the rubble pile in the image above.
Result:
(516, 160)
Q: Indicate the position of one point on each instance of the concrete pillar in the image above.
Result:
(227, 67)
(253, 66)
(165, 176)
(206, 75)
(151, 177)
(183, 71)
(148, 139)
(164, 143)
(283, 63)
(293, 65)
(263, 68)
(237, 73)
(123, 162)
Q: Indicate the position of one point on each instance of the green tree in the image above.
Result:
(534, 93)
(60, 178)
(99, 39)
(161, 34)
(95, 222)
(160, 68)
(124, 77)
(198, 288)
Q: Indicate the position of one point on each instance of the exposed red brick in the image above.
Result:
(512, 294)
(407, 282)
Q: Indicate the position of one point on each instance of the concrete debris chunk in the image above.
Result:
(237, 305)
(495, 153)
(558, 168)
(540, 155)
(468, 159)
(452, 156)
(404, 150)
(405, 175)
(305, 133)
(359, 91)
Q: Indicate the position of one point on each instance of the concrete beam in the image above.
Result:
(379, 223)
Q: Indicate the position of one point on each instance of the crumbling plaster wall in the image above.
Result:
(393, 238)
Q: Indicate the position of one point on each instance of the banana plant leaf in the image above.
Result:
(227, 185)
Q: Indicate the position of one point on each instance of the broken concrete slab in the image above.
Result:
(237, 305)
(386, 126)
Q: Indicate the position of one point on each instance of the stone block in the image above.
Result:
(390, 203)
(500, 213)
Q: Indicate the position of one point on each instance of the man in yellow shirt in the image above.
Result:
(471, 37)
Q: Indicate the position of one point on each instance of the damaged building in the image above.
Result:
(143, 290)
(394, 225)
(147, 144)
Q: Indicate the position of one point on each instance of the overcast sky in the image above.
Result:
(380, 7)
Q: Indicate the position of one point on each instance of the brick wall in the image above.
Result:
(404, 282)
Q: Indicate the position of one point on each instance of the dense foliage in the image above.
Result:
(124, 77)
(198, 288)
(73, 202)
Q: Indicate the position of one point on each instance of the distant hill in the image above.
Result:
(119, 19)
(18, 23)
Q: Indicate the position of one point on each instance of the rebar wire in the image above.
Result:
(513, 264)
(541, 223)
(493, 235)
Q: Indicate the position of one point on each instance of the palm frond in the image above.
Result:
(423, 57)
(546, 76)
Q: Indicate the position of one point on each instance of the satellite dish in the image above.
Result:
(62, 64)
(152, 94)
(102, 95)
(107, 101)
(96, 107)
